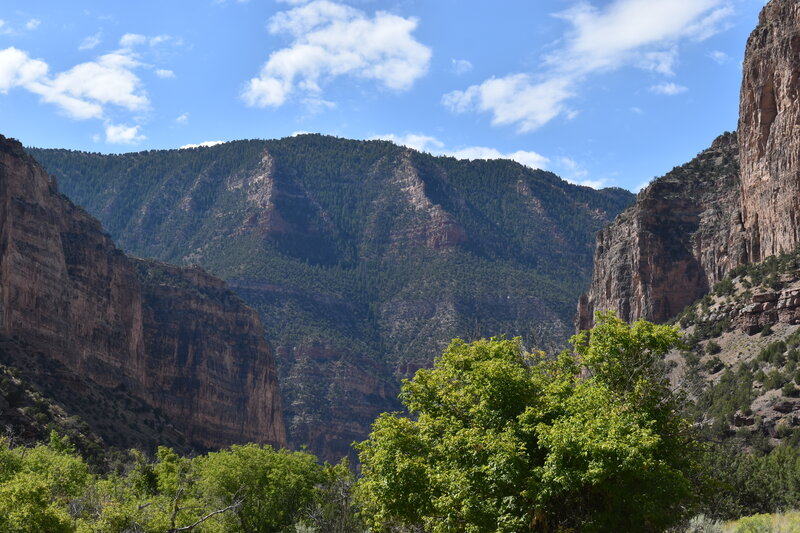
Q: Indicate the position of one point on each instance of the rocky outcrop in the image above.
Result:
(174, 338)
(769, 122)
(681, 236)
(423, 222)
(651, 272)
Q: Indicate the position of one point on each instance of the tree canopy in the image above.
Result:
(504, 440)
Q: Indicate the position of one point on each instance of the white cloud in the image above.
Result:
(637, 110)
(571, 166)
(82, 92)
(32, 24)
(158, 39)
(108, 80)
(719, 57)
(182, 118)
(165, 73)
(426, 143)
(662, 62)
(17, 69)
(130, 40)
(416, 141)
(523, 157)
(316, 105)
(461, 66)
(90, 42)
(668, 89)
(122, 134)
(640, 33)
(568, 169)
(515, 99)
(594, 184)
(331, 40)
(201, 145)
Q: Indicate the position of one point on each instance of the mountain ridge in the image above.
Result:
(364, 258)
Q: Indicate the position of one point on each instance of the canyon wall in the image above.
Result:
(363, 258)
(769, 132)
(174, 338)
(689, 228)
(682, 235)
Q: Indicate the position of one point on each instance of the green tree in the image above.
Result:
(270, 489)
(35, 486)
(501, 440)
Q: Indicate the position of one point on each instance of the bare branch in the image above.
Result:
(232, 506)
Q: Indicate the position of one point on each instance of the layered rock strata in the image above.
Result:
(363, 258)
(175, 338)
(682, 235)
(769, 123)
(651, 271)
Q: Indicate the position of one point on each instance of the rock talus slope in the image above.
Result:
(175, 338)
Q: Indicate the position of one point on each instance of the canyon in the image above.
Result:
(92, 325)
(363, 258)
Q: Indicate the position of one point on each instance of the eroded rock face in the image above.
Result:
(769, 122)
(175, 338)
(681, 236)
(701, 225)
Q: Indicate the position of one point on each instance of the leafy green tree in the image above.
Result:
(334, 509)
(270, 489)
(35, 486)
(501, 440)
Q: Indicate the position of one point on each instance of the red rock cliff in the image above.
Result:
(176, 338)
(687, 230)
(769, 123)
(681, 236)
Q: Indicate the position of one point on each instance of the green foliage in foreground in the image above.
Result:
(249, 488)
(499, 440)
(505, 441)
(759, 523)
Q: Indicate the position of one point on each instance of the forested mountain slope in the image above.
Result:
(363, 258)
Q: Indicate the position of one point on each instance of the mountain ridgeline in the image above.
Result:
(363, 258)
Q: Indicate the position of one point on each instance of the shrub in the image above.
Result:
(713, 348)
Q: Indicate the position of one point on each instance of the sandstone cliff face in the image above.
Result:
(681, 236)
(670, 248)
(174, 338)
(769, 123)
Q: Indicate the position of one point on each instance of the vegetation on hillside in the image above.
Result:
(334, 242)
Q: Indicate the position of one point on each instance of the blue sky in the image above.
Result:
(605, 93)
